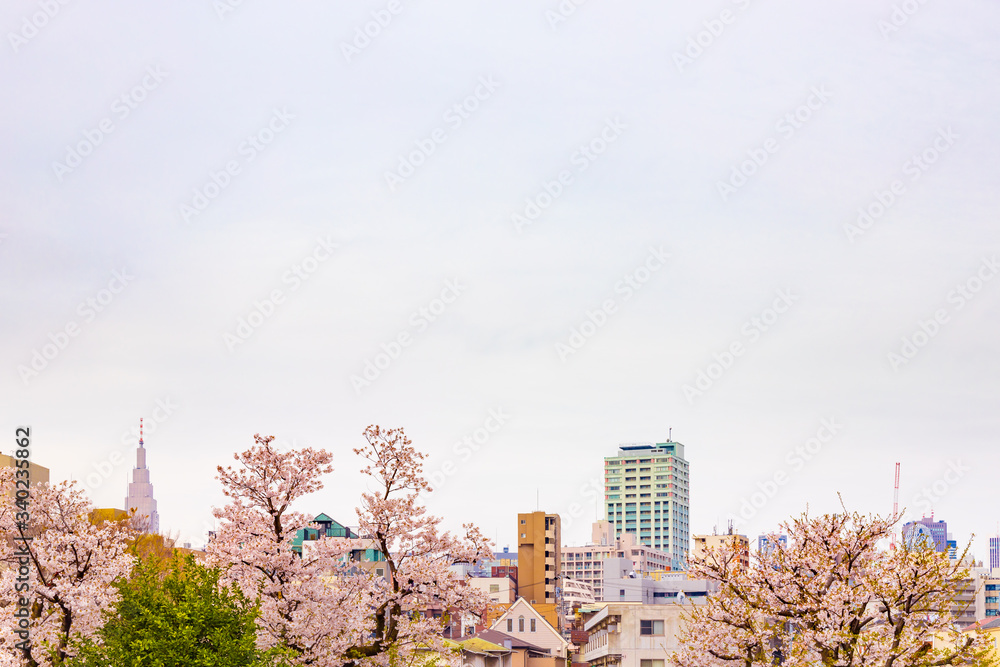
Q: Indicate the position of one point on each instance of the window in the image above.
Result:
(520, 623)
(380, 572)
(650, 663)
(510, 625)
(532, 625)
(523, 521)
(494, 588)
(651, 628)
(524, 535)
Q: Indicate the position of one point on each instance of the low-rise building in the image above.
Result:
(502, 590)
(623, 585)
(522, 653)
(522, 621)
(37, 474)
(631, 634)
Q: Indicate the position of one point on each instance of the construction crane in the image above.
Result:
(895, 505)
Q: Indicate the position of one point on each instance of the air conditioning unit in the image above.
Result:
(613, 628)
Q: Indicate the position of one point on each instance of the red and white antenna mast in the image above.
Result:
(140, 433)
(895, 505)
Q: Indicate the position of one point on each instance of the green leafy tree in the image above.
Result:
(174, 613)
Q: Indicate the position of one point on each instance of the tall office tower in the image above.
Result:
(140, 491)
(539, 559)
(928, 530)
(646, 493)
(995, 552)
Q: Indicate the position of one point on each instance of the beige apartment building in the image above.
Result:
(632, 634)
(38, 473)
(703, 543)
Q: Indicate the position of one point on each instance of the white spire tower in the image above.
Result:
(140, 490)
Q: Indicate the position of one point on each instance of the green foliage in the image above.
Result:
(174, 613)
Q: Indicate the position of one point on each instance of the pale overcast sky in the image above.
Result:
(552, 217)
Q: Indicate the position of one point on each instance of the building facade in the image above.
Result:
(539, 563)
(501, 590)
(625, 634)
(522, 621)
(990, 595)
(646, 489)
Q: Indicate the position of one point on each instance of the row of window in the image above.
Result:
(520, 624)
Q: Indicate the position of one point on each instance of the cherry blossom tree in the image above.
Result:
(71, 563)
(321, 606)
(832, 597)
(418, 557)
(299, 610)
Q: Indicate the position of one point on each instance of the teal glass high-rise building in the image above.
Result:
(646, 489)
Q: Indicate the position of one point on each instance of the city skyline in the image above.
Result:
(524, 234)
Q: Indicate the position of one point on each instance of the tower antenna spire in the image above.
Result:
(895, 504)
(140, 431)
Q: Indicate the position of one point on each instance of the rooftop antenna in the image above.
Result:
(140, 431)
(895, 504)
(670, 434)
